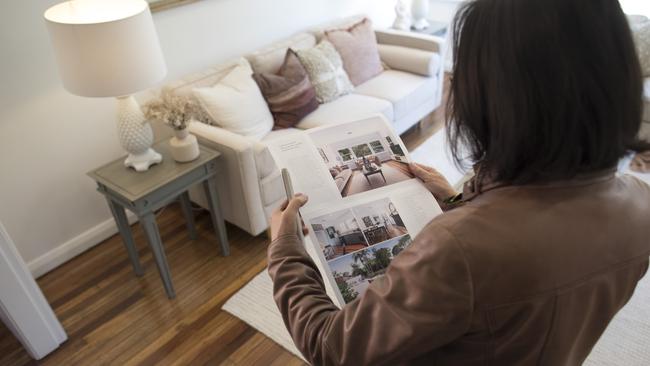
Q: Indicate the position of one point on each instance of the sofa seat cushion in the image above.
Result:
(347, 108)
(404, 90)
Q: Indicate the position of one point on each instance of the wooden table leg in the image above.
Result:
(148, 222)
(119, 215)
(217, 218)
(186, 206)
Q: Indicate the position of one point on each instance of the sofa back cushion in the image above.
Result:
(208, 77)
(326, 73)
(236, 104)
(288, 93)
(357, 46)
(269, 59)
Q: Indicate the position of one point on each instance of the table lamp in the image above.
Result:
(109, 48)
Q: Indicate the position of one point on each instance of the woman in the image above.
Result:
(545, 245)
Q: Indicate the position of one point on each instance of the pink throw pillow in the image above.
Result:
(357, 46)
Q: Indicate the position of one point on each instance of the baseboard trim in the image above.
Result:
(75, 246)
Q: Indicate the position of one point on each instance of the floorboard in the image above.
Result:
(113, 317)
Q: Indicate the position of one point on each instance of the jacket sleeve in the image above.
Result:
(424, 301)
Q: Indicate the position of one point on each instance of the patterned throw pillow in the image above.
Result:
(325, 69)
(642, 40)
(288, 93)
(357, 46)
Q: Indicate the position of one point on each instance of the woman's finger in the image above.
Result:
(418, 171)
(427, 168)
(284, 205)
(294, 205)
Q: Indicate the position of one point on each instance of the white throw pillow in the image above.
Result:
(236, 104)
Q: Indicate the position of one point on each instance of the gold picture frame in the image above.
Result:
(158, 5)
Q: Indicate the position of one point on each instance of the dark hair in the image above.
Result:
(543, 90)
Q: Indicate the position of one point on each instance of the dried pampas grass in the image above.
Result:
(175, 110)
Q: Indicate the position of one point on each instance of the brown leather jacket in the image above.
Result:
(527, 275)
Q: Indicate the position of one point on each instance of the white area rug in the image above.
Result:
(254, 305)
(626, 341)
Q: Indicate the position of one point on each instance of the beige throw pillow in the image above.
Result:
(325, 69)
(236, 104)
(357, 46)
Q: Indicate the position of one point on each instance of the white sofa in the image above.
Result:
(407, 91)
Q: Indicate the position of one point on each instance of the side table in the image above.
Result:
(145, 192)
(435, 28)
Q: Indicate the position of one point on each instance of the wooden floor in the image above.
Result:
(115, 318)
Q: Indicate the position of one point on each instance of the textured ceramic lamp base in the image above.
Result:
(421, 24)
(420, 10)
(142, 162)
(136, 135)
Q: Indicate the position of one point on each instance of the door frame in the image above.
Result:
(23, 308)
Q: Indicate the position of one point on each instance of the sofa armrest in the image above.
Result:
(215, 135)
(411, 60)
(238, 181)
(418, 41)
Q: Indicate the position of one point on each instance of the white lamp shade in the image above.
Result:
(105, 48)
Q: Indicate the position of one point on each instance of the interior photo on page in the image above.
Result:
(358, 243)
(354, 272)
(362, 156)
(346, 231)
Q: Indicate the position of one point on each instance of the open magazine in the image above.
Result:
(364, 207)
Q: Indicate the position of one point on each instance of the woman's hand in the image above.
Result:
(434, 181)
(284, 219)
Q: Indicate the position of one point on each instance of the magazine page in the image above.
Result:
(364, 204)
(357, 240)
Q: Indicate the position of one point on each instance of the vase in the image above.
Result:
(420, 11)
(184, 146)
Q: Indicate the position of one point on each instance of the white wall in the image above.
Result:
(49, 138)
(443, 10)
(636, 7)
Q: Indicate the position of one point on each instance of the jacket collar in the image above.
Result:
(482, 183)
